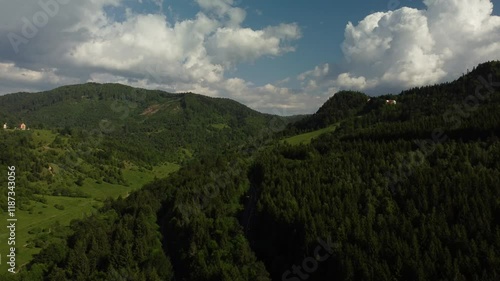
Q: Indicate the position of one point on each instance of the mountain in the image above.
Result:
(119, 117)
(391, 191)
(87, 143)
(397, 192)
(342, 105)
(433, 103)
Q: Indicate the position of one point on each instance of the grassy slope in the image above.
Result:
(41, 217)
(307, 137)
(220, 126)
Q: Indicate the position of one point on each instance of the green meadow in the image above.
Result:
(40, 220)
(307, 137)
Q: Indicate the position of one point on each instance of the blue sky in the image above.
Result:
(280, 56)
(323, 24)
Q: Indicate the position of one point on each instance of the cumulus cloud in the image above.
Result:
(345, 80)
(223, 9)
(230, 45)
(13, 76)
(395, 50)
(271, 98)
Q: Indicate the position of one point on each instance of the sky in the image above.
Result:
(276, 56)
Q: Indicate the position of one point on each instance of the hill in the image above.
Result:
(405, 191)
(340, 106)
(117, 117)
(87, 143)
(398, 192)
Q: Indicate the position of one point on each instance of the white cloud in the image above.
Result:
(317, 72)
(345, 80)
(270, 98)
(394, 50)
(224, 9)
(17, 79)
(12, 73)
(229, 45)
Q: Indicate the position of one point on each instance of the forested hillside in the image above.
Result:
(86, 143)
(117, 118)
(97, 131)
(404, 191)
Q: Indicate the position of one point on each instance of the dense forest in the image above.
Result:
(405, 191)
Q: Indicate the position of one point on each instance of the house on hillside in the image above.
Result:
(390, 101)
(22, 127)
(5, 126)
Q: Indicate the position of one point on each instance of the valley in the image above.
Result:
(39, 217)
(187, 187)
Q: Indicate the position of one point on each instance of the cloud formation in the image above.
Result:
(395, 50)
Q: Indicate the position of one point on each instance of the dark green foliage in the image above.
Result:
(405, 192)
(399, 192)
(16, 149)
(204, 236)
(140, 125)
(342, 105)
(428, 226)
(122, 242)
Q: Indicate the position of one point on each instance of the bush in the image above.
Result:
(59, 207)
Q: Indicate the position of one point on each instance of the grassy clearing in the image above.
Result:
(185, 154)
(307, 137)
(138, 176)
(220, 126)
(43, 137)
(42, 217)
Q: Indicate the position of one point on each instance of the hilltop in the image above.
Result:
(117, 117)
